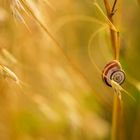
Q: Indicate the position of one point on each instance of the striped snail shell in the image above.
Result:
(113, 71)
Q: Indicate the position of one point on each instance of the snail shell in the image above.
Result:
(113, 71)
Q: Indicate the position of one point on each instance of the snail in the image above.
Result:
(113, 71)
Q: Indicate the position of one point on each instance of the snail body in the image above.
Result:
(113, 71)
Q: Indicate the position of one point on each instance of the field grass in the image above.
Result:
(52, 54)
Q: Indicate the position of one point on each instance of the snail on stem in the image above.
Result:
(113, 71)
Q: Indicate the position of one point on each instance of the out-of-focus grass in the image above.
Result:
(61, 95)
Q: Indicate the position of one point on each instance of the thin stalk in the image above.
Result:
(115, 39)
(114, 35)
(113, 8)
(116, 117)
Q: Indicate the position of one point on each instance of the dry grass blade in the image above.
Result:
(106, 18)
(16, 7)
(7, 73)
(29, 7)
(116, 87)
(90, 51)
(68, 19)
(9, 57)
(49, 4)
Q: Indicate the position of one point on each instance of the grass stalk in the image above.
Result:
(115, 117)
(114, 35)
(117, 109)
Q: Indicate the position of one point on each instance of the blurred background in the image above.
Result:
(61, 95)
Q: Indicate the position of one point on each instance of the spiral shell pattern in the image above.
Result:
(113, 71)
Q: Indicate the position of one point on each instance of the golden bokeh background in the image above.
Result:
(59, 93)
